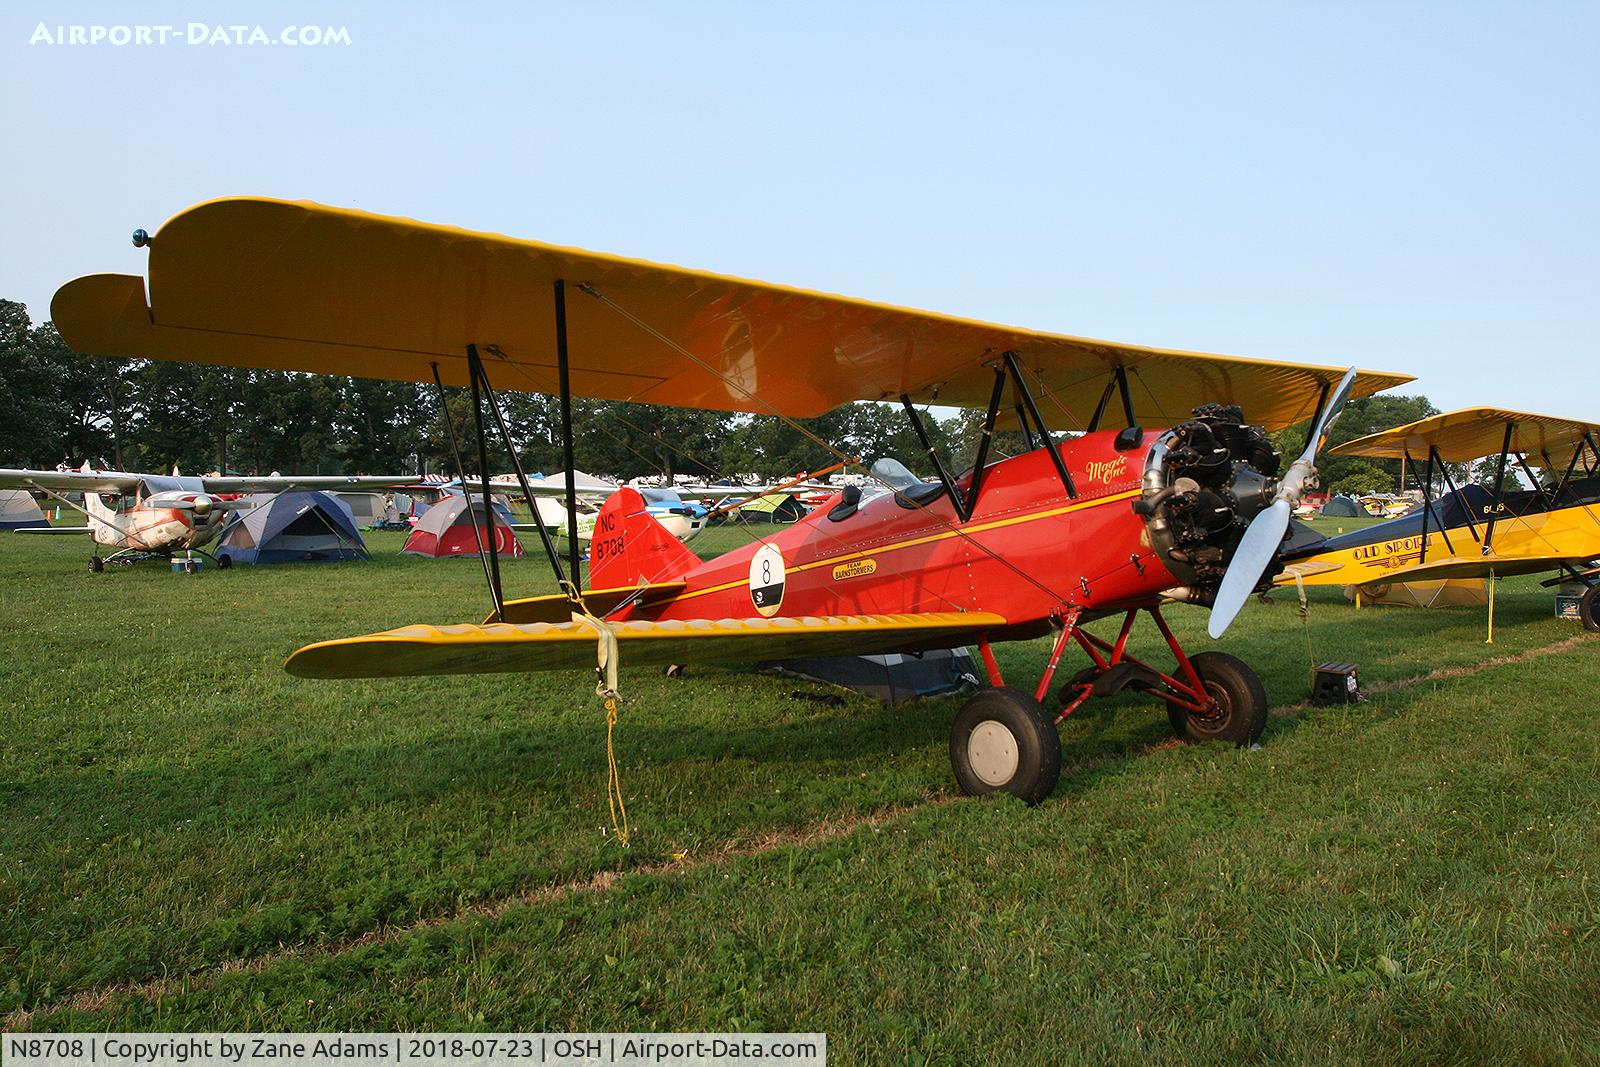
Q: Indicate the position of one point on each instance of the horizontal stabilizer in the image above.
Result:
(503, 647)
(1304, 569)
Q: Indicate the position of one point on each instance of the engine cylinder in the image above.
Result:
(1204, 480)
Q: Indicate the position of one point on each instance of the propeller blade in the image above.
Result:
(1336, 403)
(1262, 538)
(1250, 560)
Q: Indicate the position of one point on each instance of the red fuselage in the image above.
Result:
(1029, 552)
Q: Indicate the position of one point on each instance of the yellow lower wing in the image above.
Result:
(542, 646)
(1472, 567)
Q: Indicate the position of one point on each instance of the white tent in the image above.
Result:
(19, 510)
(365, 508)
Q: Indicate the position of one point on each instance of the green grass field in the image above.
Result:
(191, 839)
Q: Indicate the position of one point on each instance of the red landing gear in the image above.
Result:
(1004, 741)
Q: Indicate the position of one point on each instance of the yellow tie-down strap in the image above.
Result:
(504, 647)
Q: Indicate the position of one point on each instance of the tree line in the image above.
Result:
(57, 406)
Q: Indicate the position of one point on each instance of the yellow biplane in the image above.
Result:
(1469, 530)
(1120, 520)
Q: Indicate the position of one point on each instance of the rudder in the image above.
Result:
(630, 547)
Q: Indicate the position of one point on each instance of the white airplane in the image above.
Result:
(156, 514)
(681, 509)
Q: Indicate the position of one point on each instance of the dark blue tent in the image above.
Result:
(301, 526)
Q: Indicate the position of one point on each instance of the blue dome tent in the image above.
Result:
(302, 526)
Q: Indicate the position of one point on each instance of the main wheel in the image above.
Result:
(224, 562)
(1241, 702)
(1003, 741)
(96, 564)
(1589, 609)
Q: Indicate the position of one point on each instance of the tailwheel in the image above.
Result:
(1003, 741)
(1589, 609)
(96, 564)
(1239, 702)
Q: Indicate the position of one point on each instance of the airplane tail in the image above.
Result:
(102, 517)
(630, 547)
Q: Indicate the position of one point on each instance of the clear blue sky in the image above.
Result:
(1405, 186)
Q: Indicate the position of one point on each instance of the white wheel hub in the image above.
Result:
(992, 752)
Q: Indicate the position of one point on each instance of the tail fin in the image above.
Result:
(630, 547)
(102, 518)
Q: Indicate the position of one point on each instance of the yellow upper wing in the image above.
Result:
(1474, 432)
(298, 286)
(542, 646)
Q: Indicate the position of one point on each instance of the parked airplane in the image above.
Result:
(157, 514)
(1470, 531)
(1115, 522)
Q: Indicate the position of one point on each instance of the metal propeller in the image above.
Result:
(1265, 533)
(204, 504)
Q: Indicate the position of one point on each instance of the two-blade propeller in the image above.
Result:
(203, 504)
(1265, 533)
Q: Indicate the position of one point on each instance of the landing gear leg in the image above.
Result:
(1210, 697)
(1216, 697)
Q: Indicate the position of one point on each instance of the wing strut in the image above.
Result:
(1472, 523)
(484, 396)
(565, 384)
(496, 593)
(461, 473)
(475, 368)
(1499, 490)
(1119, 382)
(933, 455)
(1427, 496)
(965, 503)
(1444, 473)
(1044, 431)
(976, 485)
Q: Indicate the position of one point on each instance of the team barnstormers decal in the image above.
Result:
(858, 568)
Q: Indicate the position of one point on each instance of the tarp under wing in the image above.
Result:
(893, 678)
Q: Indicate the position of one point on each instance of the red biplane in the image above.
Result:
(1181, 501)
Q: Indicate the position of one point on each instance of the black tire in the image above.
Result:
(1240, 697)
(1589, 609)
(96, 564)
(224, 562)
(1003, 741)
(673, 670)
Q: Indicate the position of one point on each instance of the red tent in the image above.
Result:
(453, 527)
